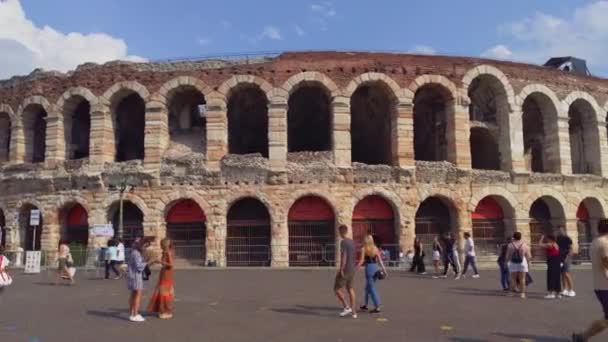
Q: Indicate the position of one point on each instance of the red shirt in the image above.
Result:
(552, 251)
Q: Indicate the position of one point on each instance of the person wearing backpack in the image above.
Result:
(518, 254)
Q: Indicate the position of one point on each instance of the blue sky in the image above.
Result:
(515, 29)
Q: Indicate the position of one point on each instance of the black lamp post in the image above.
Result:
(122, 183)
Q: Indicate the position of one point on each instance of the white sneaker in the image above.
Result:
(457, 277)
(346, 312)
(564, 293)
(137, 318)
(571, 293)
(355, 316)
(550, 296)
(475, 276)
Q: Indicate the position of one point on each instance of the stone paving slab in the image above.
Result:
(294, 305)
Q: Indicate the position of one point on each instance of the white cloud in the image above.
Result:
(203, 41)
(325, 9)
(271, 32)
(299, 30)
(26, 46)
(537, 38)
(424, 50)
(498, 52)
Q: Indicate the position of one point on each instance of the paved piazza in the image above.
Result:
(292, 305)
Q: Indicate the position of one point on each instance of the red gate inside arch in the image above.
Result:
(374, 215)
(488, 226)
(311, 232)
(77, 225)
(186, 228)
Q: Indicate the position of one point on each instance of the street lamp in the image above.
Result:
(123, 183)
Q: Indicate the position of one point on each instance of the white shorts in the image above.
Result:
(436, 256)
(523, 267)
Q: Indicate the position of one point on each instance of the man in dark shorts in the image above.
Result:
(599, 261)
(346, 274)
(565, 252)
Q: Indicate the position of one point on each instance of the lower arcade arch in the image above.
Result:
(248, 235)
(312, 235)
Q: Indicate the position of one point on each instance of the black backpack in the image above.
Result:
(516, 257)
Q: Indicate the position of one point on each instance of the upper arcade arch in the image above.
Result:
(585, 149)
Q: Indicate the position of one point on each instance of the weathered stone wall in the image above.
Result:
(215, 179)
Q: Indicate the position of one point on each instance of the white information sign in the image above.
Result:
(34, 217)
(102, 230)
(32, 261)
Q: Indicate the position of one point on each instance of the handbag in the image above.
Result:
(380, 275)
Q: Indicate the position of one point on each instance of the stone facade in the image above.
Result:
(216, 180)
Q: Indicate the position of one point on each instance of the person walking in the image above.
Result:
(63, 256)
(554, 281)
(346, 274)
(518, 254)
(502, 264)
(436, 255)
(564, 242)
(449, 256)
(111, 260)
(599, 266)
(418, 262)
(469, 255)
(161, 302)
(135, 282)
(371, 257)
(5, 278)
(120, 255)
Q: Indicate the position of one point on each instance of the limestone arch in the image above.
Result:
(166, 203)
(228, 86)
(296, 196)
(372, 77)
(168, 89)
(5, 108)
(480, 194)
(35, 100)
(543, 89)
(584, 115)
(442, 81)
(583, 95)
(7, 131)
(485, 69)
(311, 77)
(83, 92)
(135, 199)
(114, 93)
(272, 211)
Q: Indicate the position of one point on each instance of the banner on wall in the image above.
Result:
(106, 230)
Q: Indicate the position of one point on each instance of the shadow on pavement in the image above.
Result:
(535, 338)
(308, 310)
(318, 308)
(466, 339)
(468, 291)
(110, 313)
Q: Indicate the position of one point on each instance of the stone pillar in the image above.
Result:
(277, 133)
(523, 226)
(217, 132)
(405, 134)
(603, 148)
(457, 134)
(572, 231)
(102, 148)
(341, 131)
(55, 140)
(514, 158)
(156, 135)
(406, 228)
(17, 148)
(279, 243)
(558, 146)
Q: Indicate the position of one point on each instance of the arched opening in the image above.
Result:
(34, 129)
(31, 236)
(588, 215)
(74, 222)
(312, 235)
(539, 124)
(309, 119)
(546, 216)
(433, 218)
(248, 121)
(372, 124)
(248, 237)
(484, 150)
(374, 215)
(584, 139)
(431, 104)
(129, 119)
(489, 227)
(5, 137)
(187, 121)
(77, 127)
(2, 230)
(186, 227)
(132, 218)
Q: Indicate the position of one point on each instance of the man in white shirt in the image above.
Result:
(599, 261)
(469, 255)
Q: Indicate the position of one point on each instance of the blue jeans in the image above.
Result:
(370, 284)
(504, 276)
(469, 260)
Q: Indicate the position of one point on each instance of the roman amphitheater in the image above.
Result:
(254, 161)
